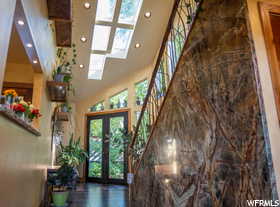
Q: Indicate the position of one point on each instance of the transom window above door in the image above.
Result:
(112, 33)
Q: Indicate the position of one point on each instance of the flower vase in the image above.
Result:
(28, 120)
(9, 99)
(20, 115)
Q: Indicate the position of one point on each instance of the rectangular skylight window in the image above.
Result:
(101, 37)
(105, 10)
(129, 11)
(121, 43)
(96, 66)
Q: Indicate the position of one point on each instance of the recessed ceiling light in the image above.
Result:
(35, 61)
(29, 45)
(87, 5)
(82, 66)
(148, 14)
(137, 45)
(20, 22)
(83, 39)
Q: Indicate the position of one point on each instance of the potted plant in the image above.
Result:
(112, 106)
(138, 101)
(93, 109)
(33, 114)
(69, 158)
(119, 104)
(102, 107)
(125, 103)
(10, 95)
(65, 107)
(19, 110)
(63, 71)
(60, 182)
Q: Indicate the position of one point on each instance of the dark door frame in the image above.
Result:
(98, 115)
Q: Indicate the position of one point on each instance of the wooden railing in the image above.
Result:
(183, 15)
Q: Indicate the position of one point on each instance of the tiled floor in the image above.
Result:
(97, 195)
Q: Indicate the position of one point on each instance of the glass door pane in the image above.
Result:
(95, 148)
(116, 149)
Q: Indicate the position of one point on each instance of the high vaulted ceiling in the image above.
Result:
(148, 32)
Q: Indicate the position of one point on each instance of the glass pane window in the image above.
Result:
(119, 100)
(105, 10)
(97, 107)
(96, 66)
(141, 89)
(95, 148)
(101, 36)
(116, 151)
(121, 42)
(129, 11)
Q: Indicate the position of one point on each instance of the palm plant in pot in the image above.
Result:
(69, 158)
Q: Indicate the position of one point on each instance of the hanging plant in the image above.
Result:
(64, 65)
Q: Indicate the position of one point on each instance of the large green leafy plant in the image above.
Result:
(69, 158)
(72, 154)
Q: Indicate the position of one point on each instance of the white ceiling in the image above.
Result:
(148, 32)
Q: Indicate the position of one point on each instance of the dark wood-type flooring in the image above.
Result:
(98, 195)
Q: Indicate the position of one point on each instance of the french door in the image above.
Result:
(107, 147)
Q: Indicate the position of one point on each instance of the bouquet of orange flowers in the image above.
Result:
(10, 92)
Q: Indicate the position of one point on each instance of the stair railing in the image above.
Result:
(180, 23)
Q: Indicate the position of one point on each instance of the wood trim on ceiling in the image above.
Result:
(26, 37)
(266, 9)
(17, 85)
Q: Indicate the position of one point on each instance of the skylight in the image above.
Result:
(101, 36)
(96, 66)
(105, 10)
(129, 11)
(112, 33)
(121, 43)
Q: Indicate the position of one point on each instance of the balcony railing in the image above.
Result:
(180, 23)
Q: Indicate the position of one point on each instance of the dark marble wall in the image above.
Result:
(209, 147)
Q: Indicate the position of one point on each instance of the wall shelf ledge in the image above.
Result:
(9, 114)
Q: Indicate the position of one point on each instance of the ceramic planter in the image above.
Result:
(60, 198)
(59, 77)
(21, 115)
